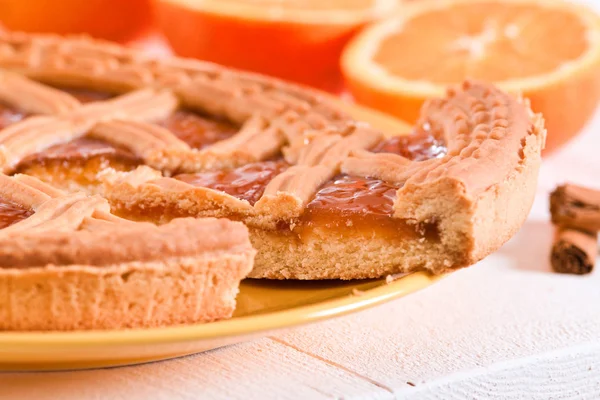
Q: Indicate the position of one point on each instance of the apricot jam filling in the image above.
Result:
(11, 213)
(77, 162)
(360, 206)
(365, 205)
(422, 144)
(351, 203)
(198, 131)
(352, 194)
(413, 147)
(246, 183)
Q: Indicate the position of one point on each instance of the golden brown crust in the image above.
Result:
(482, 191)
(33, 97)
(69, 229)
(271, 112)
(477, 195)
(99, 244)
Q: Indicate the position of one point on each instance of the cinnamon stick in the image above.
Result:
(576, 207)
(574, 252)
(576, 213)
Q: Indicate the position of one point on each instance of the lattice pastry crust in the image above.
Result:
(447, 212)
(74, 265)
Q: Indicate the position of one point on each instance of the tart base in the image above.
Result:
(130, 295)
(286, 256)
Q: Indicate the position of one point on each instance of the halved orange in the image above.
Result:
(548, 50)
(300, 40)
(119, 20)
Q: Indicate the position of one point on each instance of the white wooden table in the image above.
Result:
(507, 328)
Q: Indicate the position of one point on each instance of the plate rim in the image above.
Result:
(233, 327)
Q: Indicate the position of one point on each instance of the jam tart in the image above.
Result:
(67, 263)
(324, 196)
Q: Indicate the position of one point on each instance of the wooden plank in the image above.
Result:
(569, 373)
(258, 370)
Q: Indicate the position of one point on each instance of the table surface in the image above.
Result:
(506, 328)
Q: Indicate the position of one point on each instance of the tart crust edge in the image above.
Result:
(127, 295)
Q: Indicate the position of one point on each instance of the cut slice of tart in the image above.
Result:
(358, 205)
(66, 263)
(324, 196)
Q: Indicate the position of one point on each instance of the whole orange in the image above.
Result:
(118, 20)
(299, 40)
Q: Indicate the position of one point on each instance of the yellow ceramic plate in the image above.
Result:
(263, 308)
